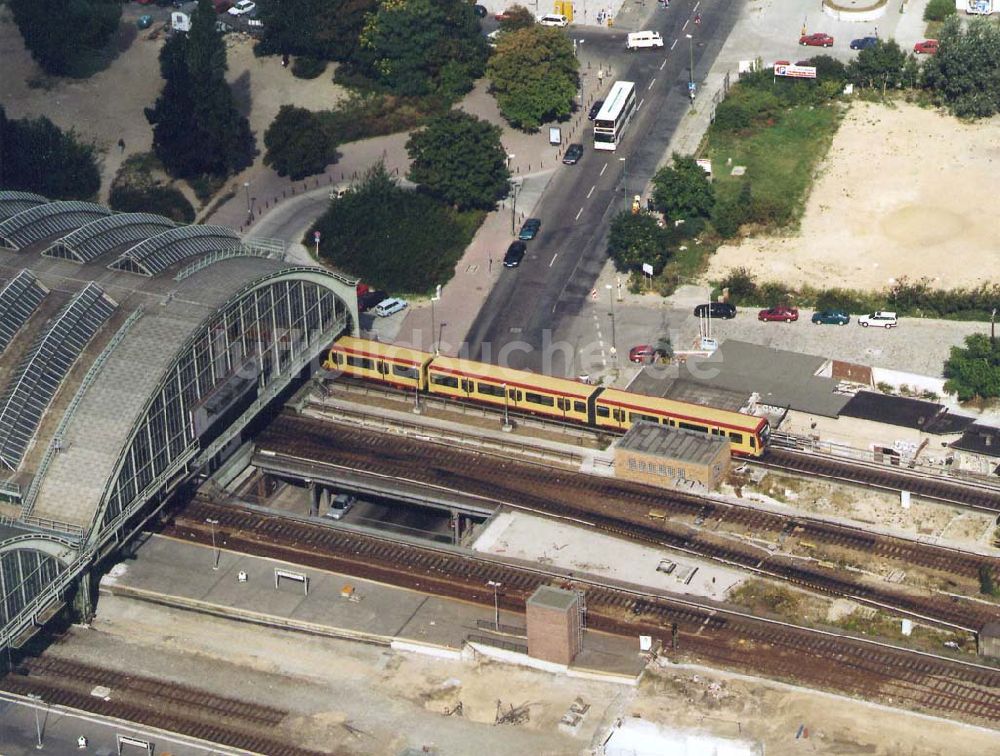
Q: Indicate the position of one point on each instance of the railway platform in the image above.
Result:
(192, 577)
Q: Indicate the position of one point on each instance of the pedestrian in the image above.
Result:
(284, 60)
(121, 145)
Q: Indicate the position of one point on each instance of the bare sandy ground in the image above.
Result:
(904, 191)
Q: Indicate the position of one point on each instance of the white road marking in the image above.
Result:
(695, 8)
(665, 60)
(672, 47)
(578, 214)
(592, 188)
(685, 24)
(604, 169)
(640, 103)
(651, 85)
(553, 259)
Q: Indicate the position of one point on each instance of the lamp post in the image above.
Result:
(215, 549)
(624, 162)
(496, 601)
(506, 427)
(435, 298)
(38, 725)
(514, 187)
(691, 68)
(246, 188)
(614, 341)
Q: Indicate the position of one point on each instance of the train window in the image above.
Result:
(718, 432)
(690, 426)
(404, 372)
(564, 404)
(603, 412)
(445, 380)
(360, 362)
(673, 423)
(736, 438)
(466, 385)
(753, 442)
(636, 416)
(580, 407)
(533, 398)
(488, 389)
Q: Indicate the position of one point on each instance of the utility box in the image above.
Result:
(555, 135)
(989, 640)
(553, 618)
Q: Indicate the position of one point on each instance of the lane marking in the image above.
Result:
(578, 214)
(651, 85)
(592, 189)
(554, 257)
(672, 47)
(686, 24)
(665, 60)
(695, 8)
(640, 103)
(604, 169)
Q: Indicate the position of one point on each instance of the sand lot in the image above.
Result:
(904, 191)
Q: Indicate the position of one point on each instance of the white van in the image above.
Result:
(553, 19)
(390, 306)
(642, 40)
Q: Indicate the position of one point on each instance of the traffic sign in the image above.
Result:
(316, 236)
(691, 86)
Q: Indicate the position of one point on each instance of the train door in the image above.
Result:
(592, 406)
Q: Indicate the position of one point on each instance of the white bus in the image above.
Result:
(614, 115)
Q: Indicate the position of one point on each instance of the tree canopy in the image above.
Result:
(964, 74)
(38, 156)
(683, 190)
(637, 238)
(299, 143)
(393, 238)
(973, 371)
(324, 29)
(422, 47)
(881, 66)
(65, 37)
(196, 127)
(533, 73)
(459, 158)
(137, 188)
(517, 17)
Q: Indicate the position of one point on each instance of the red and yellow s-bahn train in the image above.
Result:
(559, 398)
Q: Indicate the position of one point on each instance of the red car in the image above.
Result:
(780, 313)
(502, 16)
(645, 353)
(927, 47)
(816, 40)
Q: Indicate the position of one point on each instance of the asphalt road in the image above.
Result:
(529, 305)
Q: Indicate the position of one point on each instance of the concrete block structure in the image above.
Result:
(553, 618)
(658, 455)
(989, 640)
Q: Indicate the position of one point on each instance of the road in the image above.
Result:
(529, 305)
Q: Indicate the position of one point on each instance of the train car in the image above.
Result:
(748, 435)
(395, 365)
(560, 398)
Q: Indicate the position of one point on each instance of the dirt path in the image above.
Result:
(904, 191)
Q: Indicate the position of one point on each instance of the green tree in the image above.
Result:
(136, 189)
(66, 37)
(518, 17)
(38, 156)
(324, 29)
(299, 143)
(939, 10)
(879, 67)
(683, 190)
(460, 159)
(637, 238)
(423, 47)
(964, 74)
(533, 74)
(196, 127)
(974, 370)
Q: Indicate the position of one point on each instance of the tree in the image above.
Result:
(38, 156)
(324, 29)
(65, 37)
(517, 17)
(299, 143)
(196, 127)
(973, 371)
(422, 47)
(964, 74)
(533, 74)
(135, 189)
(637, 238)
(683, 190)
(879, 67)
(460, 159)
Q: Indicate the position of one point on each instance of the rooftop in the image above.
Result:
(980, 439)
(672, 443)
(552, 598)
(904, 412)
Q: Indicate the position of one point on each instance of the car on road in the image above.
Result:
(480, 11)
(863, 43)
(594, 110)
(553, 19)
(927, 47)
(716, 310)
(880, 318)
(529, 229)
(390, 306)
(340, 506)
(515, 253)
(645, 353)
(502, 15)
(816, 40)
(242, 7)
(780, 313)
(573, 154)
(831, 317)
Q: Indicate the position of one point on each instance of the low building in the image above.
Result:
(554, 630)
(989, 640)
(669, 457)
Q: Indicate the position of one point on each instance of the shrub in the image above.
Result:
(939, 10)
(305, 67)
(299, 143)
(167, 201)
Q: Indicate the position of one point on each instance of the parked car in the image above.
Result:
(242, 7)
(831, 317)
(515, 253)
(716, 310)
(390, 306)
(816, 40)
(781, 313)
(340, 506)
(927, 47)
(645, 353)
(573, 154)
(595, 109)
(493, 36)
(879, 318)
(144, 21)
(369, 299)
(502, 15)
(480, 11)
(863, 43)
(529, 229)
(553, 19)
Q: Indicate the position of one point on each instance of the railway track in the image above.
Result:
(156, 703)
(864, 669)
(623, 508)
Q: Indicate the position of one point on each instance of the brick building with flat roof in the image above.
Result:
(667, 457)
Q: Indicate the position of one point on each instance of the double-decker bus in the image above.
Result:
(617, 111)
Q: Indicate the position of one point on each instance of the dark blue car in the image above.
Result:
(863, 43)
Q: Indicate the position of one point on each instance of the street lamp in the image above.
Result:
(215, 550)
(246, 188)
(38, 725)
(624, 163)
(506, 427)
(691, 68)
(514, 187)
(614, 341)
(496, 599)
(435, 298)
